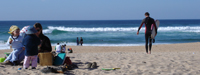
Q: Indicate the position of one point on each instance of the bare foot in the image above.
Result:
(149, 52)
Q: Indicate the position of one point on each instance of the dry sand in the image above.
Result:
(168, 59)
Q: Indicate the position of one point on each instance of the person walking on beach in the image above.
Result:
(77, 41)
(31, 42)
(148, 21)
(81, 41)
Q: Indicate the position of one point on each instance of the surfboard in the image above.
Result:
(153, 34)
(107, 69)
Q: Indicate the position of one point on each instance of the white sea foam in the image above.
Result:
(104, 29)
(3, 45)
(62, 28)
(47, 31)
(181, 28)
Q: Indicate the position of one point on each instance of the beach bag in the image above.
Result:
(67, 61)
(59, 59)
(45, 59)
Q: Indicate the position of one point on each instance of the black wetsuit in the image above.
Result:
(81, 41)
(148, 21)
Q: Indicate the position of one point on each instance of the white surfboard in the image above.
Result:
(153, 34)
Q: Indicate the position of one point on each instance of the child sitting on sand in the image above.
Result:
(31, 42)
(63, 48)
(58, 48)
(15, 40)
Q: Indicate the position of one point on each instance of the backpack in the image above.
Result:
(67, 61)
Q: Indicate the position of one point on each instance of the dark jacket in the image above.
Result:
(45, 45)
(31, 43)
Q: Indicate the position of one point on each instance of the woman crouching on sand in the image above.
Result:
(45, 45)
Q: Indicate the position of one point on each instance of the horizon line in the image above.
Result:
(96, 20)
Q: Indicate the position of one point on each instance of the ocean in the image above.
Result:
(108, 32)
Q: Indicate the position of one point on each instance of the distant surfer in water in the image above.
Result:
(148, 21)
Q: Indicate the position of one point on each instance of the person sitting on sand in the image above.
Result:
(63, 48)
(58, 48)
(45, 41)
(31, 42)
(15, 40)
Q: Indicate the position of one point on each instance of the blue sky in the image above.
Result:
(98, 9)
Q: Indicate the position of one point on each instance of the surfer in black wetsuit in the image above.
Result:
(148, 21)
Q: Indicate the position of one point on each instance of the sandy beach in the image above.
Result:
(167, 59)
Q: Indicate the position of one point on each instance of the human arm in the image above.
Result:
(24, 43)
(140, 26)
(9, 42)
(39, 45)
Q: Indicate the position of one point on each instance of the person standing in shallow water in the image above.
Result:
(77, 41)
(81, 41)
(148, 21)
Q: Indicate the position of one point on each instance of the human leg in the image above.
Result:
(150, 45)
(7, 60)
(15, 54)
(77, 43)
(34, 61)
(146, 43)
(26, 62)
(9, 57)
(21, 56)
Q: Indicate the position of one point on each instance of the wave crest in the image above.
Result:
(104, 29)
